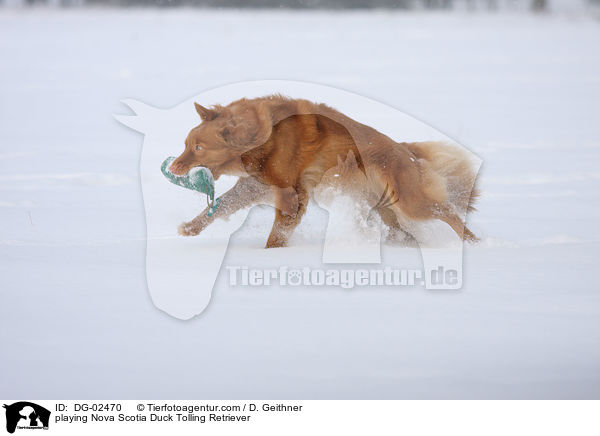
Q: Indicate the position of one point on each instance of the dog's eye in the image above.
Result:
(198, 147)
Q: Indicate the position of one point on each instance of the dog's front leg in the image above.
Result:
(245, 193)
(290, 205)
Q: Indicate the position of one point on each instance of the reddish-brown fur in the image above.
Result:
(288, 145)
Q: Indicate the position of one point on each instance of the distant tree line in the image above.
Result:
(536, 5)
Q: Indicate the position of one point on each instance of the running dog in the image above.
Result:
(281, 148)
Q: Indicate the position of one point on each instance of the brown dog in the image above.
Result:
(281, 148)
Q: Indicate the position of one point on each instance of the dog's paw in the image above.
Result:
(188, 229)
(470, 237)
(276, 241)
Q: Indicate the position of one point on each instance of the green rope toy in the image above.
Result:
(197, 179)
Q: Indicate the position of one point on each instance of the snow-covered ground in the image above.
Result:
(76, 320)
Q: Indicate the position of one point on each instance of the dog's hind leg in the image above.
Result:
(245, 193)
(447, 215)
(396, 234)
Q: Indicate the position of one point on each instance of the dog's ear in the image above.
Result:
(205, 113)
(267, 118)
(250, 129)
(236, 133)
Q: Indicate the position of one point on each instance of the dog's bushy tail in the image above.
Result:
(455, 167)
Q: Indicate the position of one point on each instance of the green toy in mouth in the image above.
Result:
(197, 179)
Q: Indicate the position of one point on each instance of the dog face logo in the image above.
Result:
(26, 415)
(402, 176)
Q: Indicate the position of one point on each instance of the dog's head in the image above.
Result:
(223, 135)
